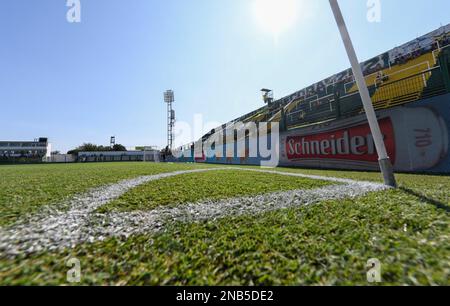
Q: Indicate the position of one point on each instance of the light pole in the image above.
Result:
(385, 162)
(169, 98)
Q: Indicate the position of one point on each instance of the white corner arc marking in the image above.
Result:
(54, 229)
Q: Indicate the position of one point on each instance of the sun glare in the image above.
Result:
(275, 16)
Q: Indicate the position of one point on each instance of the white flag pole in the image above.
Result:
(385, 163)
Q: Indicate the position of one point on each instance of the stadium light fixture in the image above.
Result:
(267, 95)
(385, 162)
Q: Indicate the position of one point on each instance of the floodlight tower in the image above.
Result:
(112, 141)
(267, 96)
(169, 98)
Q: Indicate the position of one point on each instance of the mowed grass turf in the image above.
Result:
(407, 229)
(25, 188)
(214, 185)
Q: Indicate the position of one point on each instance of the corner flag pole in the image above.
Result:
(385, 163)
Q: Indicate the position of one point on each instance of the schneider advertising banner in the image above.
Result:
(416, 137)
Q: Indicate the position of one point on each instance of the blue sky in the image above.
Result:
(105, 76)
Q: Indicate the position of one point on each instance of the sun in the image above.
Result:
(275, 16)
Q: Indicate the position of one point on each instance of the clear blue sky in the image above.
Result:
(105, 76)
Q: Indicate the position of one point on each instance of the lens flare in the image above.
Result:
(275, 16)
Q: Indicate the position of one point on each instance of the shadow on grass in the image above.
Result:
(427, 200)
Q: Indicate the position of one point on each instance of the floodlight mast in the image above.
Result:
(169, 98)
(384, 161)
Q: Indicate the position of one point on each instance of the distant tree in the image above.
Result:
(103, 149)
(86, 147)
(119, 148)
(56, 153)
(90, 147)
(73, 152)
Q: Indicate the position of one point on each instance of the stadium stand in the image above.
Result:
(406, 74)
(416, 70)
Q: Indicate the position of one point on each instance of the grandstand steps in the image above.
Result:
(380, 104)
(431, 92)
(435, 86)
(404, 99)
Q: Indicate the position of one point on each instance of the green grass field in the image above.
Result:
(209, 185)
(25, 188)
(407, 229)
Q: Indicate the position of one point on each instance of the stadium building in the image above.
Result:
(410, 90)
(25, 151)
